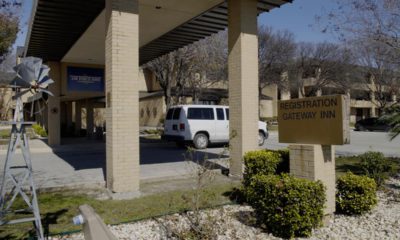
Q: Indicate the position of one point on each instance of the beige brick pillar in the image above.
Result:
(243, 80)
(53, 107)
(78, 117)
(316, 162)
(122, 100)
(89, 119)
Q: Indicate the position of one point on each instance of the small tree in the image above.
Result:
(9, 26)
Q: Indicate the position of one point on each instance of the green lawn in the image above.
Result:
(58, 209)
(4, 133)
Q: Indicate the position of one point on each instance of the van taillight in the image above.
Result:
(182, 126)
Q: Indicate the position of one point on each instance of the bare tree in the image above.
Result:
(193, 67)
(326, 64)
(276, 52)
(365, 20)
(171, 70)
(209, 63)
(382, 77)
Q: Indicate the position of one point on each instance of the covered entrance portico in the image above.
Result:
(119, 36)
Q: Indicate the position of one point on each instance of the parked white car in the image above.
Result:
(202, 125)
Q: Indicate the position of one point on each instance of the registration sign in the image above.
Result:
(314, 120)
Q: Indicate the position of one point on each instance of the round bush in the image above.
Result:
(259, 162)
(355, 194)
(287, 206)
(375, 165)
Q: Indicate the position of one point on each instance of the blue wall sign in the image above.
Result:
(85, 79)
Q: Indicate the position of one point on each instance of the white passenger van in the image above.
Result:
(201, 125)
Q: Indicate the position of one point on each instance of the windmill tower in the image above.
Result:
(31, 77)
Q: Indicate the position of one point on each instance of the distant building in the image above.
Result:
(363, 101)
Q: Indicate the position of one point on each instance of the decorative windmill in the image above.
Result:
(30, 77)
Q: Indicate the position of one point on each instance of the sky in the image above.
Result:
(25, 17)
(297, 17)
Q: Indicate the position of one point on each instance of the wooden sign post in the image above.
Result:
(312, 126)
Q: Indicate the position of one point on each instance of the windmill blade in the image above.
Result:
(46, 82)
(33, 63)
(44, 72)
(45, 91)
(28, 71)
(21, 93)
(40, 106)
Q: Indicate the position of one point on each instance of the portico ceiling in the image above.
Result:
(74, 30)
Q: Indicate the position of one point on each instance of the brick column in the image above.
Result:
(78, 117)
(316, 162)
(243, 80)
(53, 107)
(122, 100)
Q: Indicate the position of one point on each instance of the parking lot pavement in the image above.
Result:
(360, 142)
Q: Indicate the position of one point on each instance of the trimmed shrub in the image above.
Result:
(355, 194)
(287, 206)
(39, 130)
(259, 162)
(375, 165)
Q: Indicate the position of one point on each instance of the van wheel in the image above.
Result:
(261, 138)
(200, 141)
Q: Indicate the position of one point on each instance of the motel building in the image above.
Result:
(95, 49)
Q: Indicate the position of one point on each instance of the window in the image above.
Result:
(169, 114)
(227, 113)
(176, 114)
(220, 114)
(201, 113)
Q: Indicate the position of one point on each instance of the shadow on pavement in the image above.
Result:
(88, 154)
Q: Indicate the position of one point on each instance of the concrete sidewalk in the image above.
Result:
(81, 163)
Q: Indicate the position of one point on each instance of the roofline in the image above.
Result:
(28, 35)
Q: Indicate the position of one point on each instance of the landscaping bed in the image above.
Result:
(238, 222)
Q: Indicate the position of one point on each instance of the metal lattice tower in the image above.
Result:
(30, 77)
(17, 180)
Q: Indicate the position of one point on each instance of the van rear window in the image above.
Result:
(220, 114)
(201, 113)
(176, 114)
(169, 114)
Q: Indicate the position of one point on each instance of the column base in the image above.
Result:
(316, 162)
(123, 195)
